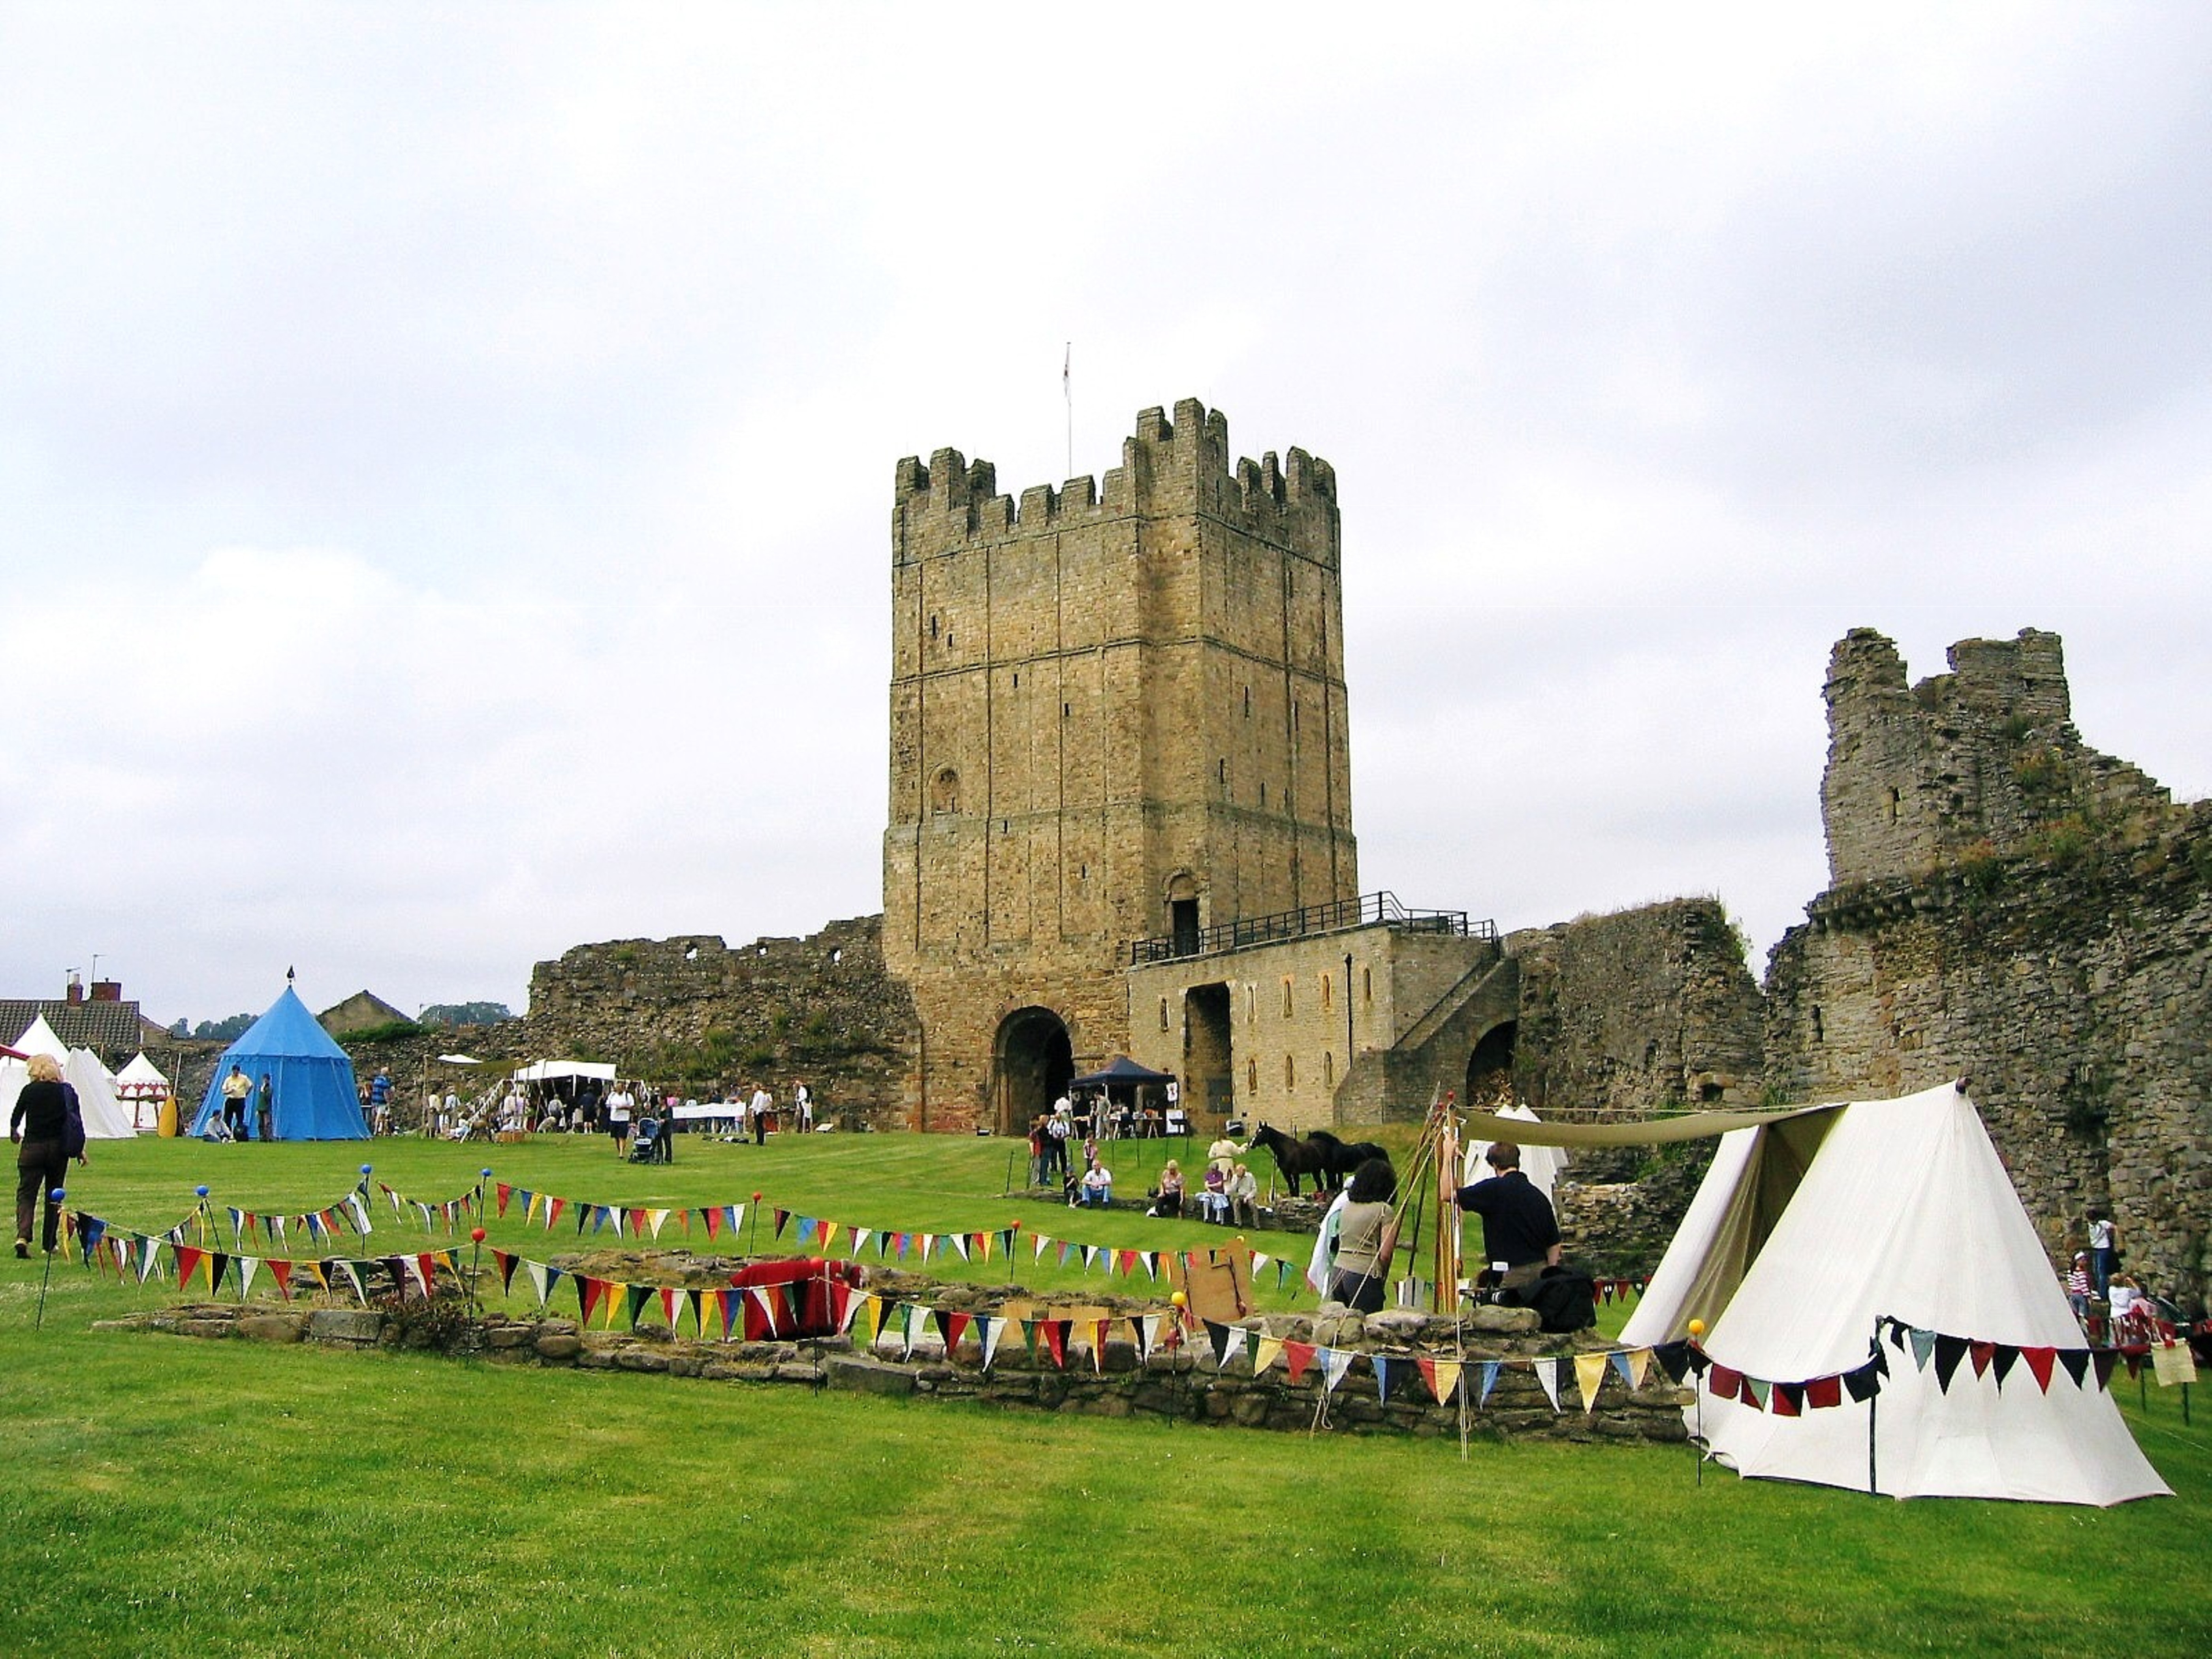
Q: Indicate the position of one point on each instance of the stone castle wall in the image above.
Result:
(1628, 1014)
(691, 1009)
(2011, 907)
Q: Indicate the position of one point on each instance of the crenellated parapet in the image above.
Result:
(1169, 467)
(1980, 760)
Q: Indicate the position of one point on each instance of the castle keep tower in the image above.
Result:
(1116, 713)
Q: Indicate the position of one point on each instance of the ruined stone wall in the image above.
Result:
(692, 1011)
(1625, 1015)
(1103, 701)
(2012, 907)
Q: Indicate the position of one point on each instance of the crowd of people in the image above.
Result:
(621, 1109)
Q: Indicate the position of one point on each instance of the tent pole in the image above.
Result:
(1873, 1485)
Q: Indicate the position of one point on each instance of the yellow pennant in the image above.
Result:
(1271, 1349)
(1448, 1372)
(1639, 1363)
(1589, 1373)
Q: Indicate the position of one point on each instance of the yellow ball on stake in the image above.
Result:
(1697, 1329)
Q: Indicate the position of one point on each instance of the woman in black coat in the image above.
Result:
(49, 1130)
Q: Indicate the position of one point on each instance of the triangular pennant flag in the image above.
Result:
(1724, 1382)
(1382, 1365)
(276, 1232)
(280, 1271)
(1296, 1356)
(1590, 1376)
(765, 1303)
(351, 1269)
(1923, 1347)
(1038, 1242)
(246, 1264)
(1756, 1391)
(1096, 1329)
(983, 1242)
(804, 1236)
(1547, 1373)
(2075, 1360)
(2040, 1362)
(958, 1241)
(1788, 1399)
(1152, 1260)
(540, 1278)
(992, 1329)
(1125, 1263)
(1983, 1353)
(501, 1193)
(714, 1218)
(588, 1292)
(2103, 1360)
(503, 1262)
(1674, 1359)
(1824, 1392)
(1265, 1353)
(861, 1237)
(1490, 1369)
(1864, 1383)
(829, 1237)
(634, 1298)
(1949, 1351)
(949, 1327)
(218, 1265)
(654, 1220)
(1335, 1363)
(1219, 1335)
(727, 1306)
(671, 1296)
(781, 1215)
(188, 1260)
(1055, 1340)
(696, 1300)
(422, 1266)
(2001, 1361)
(553, 1208)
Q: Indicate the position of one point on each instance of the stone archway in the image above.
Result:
(1489, 1069)
(1033, 1061)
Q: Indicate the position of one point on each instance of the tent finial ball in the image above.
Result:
(475, 1234)
(1180, 1300)
(1697, 1329)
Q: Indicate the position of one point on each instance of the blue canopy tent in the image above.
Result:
(316, 1096)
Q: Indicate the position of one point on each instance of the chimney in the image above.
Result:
(107, 990)
(75, 993)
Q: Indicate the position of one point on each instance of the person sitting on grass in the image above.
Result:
(1096, 1186)
(1243, 1197)
(1214, 1203)
(1167, 1197)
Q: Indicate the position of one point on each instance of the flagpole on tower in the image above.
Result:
(1067, 397)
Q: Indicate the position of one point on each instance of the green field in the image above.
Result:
(168, 1497)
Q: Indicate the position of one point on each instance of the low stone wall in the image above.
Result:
(1118, 1381)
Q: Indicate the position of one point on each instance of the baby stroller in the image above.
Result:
(645, 1145)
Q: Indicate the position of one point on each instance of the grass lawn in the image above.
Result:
(169, 1496)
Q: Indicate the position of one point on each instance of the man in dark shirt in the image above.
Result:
(1518, 1227)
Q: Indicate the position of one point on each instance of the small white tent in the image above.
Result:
(1809, 1229)
(141, 1087)
(104, 1117)
(1541, 1164)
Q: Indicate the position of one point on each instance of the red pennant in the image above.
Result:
(669, 1294)
(637, 1223)
(1723, 1383)
(1298, 1356)
(2040, 1362)
(428, 1265)
(714, 1221)
(1428, 1369)
(1055, 1340)
(1125, 1263)
(1823, 1392)
(502, 1192)
(1983, 1353)
(553, 1208)
(280, 1271)
(189, 1257)
(1788, 1399)
(588, 1292)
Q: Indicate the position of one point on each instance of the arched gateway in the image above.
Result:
(1032, 1062)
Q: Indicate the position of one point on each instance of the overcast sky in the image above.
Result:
(446, 454)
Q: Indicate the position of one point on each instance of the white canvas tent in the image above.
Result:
(104, 1117)
(1541, 1164)
(541, 1071)
(1807, 1230)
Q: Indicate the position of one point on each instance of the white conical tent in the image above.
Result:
(1541, 1164)
(106, 1118)
(141, 1075)
(1902, 1210)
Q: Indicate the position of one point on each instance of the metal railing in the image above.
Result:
(1368, 910)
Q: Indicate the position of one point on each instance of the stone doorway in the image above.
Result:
(1033, 1063)
(1209, 1071)
(1489, 1069)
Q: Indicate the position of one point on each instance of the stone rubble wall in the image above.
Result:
(820, 1009)
(1116, 1382)
(2012, 907)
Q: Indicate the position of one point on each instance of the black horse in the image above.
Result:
(1293, 1157)
(1340, 1158)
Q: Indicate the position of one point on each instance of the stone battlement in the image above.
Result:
(1179, 465)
